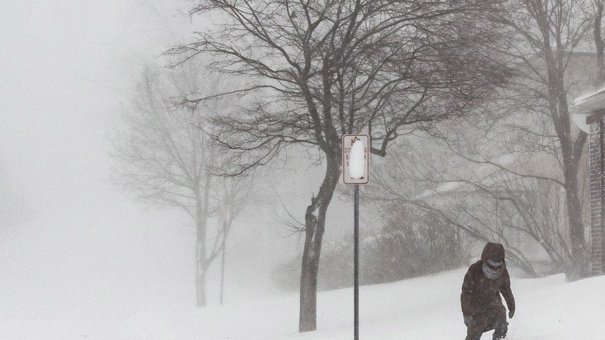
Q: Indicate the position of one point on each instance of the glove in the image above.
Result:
(468, 320)
(511, 313)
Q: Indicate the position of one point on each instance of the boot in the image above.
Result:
(500, 331)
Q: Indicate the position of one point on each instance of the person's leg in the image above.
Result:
(501, 327)
(472, 334)
(500, 324)
(476, 328)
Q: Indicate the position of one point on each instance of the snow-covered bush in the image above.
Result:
(410, 243)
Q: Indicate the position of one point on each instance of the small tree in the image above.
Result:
(411, 242)
(165, 158)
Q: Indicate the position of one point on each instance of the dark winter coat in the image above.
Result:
(480, 294)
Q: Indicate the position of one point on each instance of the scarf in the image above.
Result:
(491, 273)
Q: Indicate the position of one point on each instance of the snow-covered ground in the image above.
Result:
(421, 308)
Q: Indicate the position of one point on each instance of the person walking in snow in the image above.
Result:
(482, 306)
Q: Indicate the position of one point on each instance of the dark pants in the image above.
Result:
(494, 319)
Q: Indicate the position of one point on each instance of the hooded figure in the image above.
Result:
(482, 306)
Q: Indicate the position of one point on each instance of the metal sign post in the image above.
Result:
(356, 263)
(356, 166)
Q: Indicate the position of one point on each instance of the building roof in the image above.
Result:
(585, 105)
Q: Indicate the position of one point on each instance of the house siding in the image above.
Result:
(597, 196)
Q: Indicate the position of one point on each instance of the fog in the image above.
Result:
(71, 242)
(79, 256)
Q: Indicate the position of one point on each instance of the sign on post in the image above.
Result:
(356, 159)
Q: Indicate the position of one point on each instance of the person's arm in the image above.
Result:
(468, 294)
(507, 293)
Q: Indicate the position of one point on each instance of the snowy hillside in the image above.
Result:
(424, 308)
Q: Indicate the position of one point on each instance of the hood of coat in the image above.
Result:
(493, 260)
(492, 251)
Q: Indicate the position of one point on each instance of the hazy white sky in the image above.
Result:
(67, 234)
(70, 241)
(66, 68)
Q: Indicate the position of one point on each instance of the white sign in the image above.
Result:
(356, 159)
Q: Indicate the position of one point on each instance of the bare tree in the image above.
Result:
(547, 34)
(165, 158)
(504, 177)
(486, 201)
(324, 69)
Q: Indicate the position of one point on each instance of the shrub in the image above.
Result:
(410, 243)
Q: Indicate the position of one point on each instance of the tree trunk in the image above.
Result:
(570, 152)
(315, 219)
(201, 261)
(200, 268)
(599, 43)
(578, 268)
